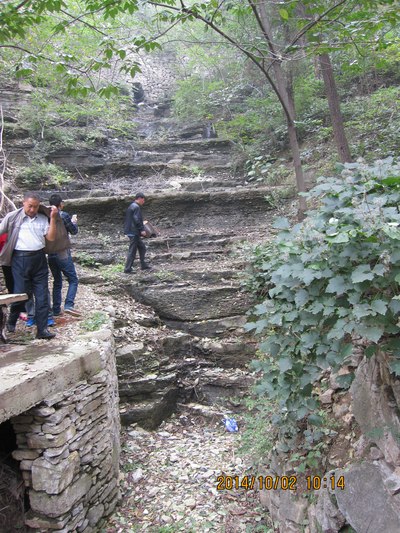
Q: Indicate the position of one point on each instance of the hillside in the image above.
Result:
(180, 343)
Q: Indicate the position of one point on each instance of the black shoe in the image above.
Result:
(10, 328)
(45, 334)
(145, 266)
(128, 271)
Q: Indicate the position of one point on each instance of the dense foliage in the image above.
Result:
(326, 280)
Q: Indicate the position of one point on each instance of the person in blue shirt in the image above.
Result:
(61, 263)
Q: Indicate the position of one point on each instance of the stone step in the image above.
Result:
(177, 212)
(175, 242)
(194, 145)
(180, 157)
(228, 352)
(100, 164)
(97, 254)
(139, 389)
(162, 251)
(218, 386)
(164, 278)
(177, 183)
(150, 413)
(187, 303)
(214, 328)
(138, 170)
(188, 255)
(192, 179)
(192, 240)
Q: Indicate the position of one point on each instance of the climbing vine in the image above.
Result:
(323, 281)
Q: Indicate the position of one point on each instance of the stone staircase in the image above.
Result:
(192, 346)
(181, 338)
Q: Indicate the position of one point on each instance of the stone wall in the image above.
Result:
(370, 498)
(68, 448)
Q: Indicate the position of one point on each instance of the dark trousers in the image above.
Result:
(135, 244)
(31, 274)
(8, 278)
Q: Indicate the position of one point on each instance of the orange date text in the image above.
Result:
(257, 482)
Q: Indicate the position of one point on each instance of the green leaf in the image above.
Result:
(315, 420)
(379, 306)
(281, 223)
(345, 380)
(395, 367)
(393, 345)
(338, 332)
(289, 317)
(362, 273)
(346, 350)
(338, 239)
(285, 364)
(284, 14)
(392, 232)
(394, 305)
(337, 285)
(301, 298)
(361, 310)
(301, 468)
(371, 350)
(390, 181)
(379, 269)
(22, 72)
(371, 333)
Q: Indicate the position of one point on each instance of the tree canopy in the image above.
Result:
(90, 45)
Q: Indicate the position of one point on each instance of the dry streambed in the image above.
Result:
(169, 480)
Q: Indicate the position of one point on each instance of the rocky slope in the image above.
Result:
(178, 328)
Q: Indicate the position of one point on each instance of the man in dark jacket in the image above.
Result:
(134, 229)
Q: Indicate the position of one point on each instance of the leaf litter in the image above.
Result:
(169, 479)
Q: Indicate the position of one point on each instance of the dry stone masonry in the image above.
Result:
(68, 447)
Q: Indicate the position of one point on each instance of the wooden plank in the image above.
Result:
(6, 299)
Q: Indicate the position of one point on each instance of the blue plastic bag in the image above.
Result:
(230, 424)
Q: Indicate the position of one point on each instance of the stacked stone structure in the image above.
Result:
(68, 448)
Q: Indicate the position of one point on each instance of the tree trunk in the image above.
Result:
(300, 182)
(334, 108)
(288, 106)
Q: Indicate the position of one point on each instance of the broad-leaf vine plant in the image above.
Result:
(323, 281)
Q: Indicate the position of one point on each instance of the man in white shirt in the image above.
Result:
(28, 231)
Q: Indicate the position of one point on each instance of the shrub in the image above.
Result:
(321, 282)
(94, 321)
(42, 175)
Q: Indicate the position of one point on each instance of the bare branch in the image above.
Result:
(316, 21)
(79, 19)
(21, 4)
(3, 163)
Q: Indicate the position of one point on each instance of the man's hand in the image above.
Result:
(51, 233)
(143, 233)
